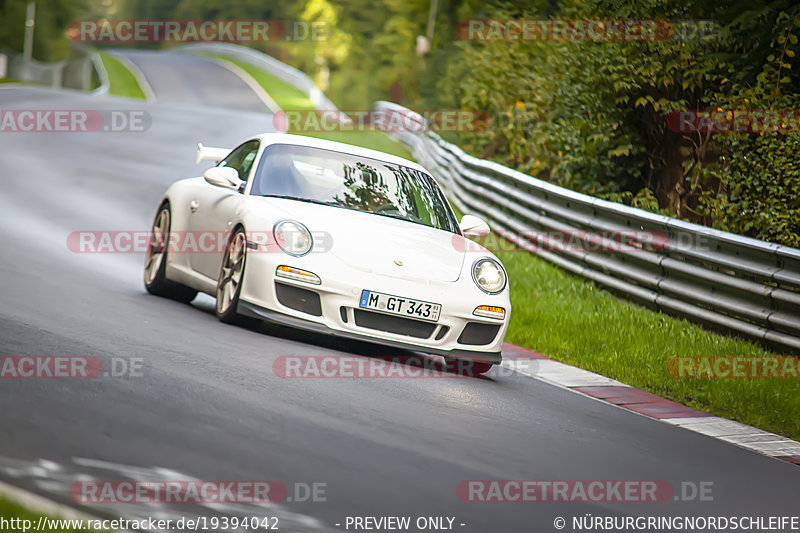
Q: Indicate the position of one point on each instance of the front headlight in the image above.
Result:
(489, 276)
(293, 237)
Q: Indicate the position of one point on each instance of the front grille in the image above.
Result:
(476, 333)
(302, 300)
(394, 324)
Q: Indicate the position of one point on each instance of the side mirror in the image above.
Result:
(223, 177)
(473, 227)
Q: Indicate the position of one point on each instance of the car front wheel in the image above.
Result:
(231, 275)
(155, 266)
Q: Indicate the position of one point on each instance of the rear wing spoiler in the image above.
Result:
(209, 153)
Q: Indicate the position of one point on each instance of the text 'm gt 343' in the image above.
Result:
(337, 239)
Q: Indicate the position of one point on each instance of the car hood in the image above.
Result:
(375, 243)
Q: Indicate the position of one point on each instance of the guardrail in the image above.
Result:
(728, 282)
(268, 63)
(31, 70)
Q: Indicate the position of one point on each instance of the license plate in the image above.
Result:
(396, 305)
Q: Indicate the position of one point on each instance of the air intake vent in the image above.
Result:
(394, 324)
(476, 333)
(302, 300)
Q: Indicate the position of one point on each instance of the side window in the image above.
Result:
(241, 159)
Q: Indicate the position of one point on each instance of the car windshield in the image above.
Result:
(352, 182)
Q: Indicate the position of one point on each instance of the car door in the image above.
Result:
(213, 210)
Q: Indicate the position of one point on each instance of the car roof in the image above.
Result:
(302, 140)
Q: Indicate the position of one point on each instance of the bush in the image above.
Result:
(593, 116)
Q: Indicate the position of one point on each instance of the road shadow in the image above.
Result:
(418, 361)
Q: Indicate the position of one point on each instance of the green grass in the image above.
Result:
(290, 98)
(121, 80)
(9, 510)
(574, 321)
(24, 82)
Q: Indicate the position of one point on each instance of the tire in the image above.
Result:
(231, 276)
(467, 367)
(155, 264)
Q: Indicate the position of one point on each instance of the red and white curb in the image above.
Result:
(535, 365)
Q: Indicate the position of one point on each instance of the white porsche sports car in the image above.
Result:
(332, 238)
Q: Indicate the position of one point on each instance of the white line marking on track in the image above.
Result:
(263, 95)
(560, 373)
(736, 433)
(141, 79)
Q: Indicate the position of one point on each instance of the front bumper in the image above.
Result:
(255, 311)
(334, 308)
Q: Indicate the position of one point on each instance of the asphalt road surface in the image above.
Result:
(180, 78)
(209, 406)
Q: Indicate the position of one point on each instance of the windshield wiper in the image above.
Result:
(398, 217)
(298, 198)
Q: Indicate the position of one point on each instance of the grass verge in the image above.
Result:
(574, 321)
(290, 98)
(121, 80)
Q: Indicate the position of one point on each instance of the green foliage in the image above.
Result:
(759, 194)
(49, 36)
(593, 116)
(757, 187)
(12, 509)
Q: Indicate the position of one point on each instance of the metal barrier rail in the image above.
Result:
(724, 281)
(75, 73)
